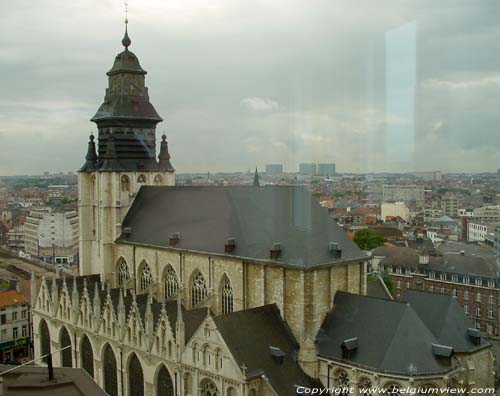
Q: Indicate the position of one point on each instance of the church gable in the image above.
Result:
(208, 350)
(164, 336)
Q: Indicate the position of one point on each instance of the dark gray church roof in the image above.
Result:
(258, 338)
(392, 337)
(445, 318)
(257, 217)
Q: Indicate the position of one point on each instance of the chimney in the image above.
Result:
(275, 252)
(348, 347)
(174, 238)
(474, 335)
(277, 354)
(230, 245)
(334, 250)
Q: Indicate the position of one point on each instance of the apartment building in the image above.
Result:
(14, 327)
(52, 236)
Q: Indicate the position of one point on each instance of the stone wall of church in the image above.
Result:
(205, 358)
(479, 368)
(335, 374)
(104, 199)
(302, 296)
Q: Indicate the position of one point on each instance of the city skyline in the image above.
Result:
(276, 84)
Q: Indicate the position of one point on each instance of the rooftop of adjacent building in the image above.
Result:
(11, 297)
(416, 336)
(31, 381)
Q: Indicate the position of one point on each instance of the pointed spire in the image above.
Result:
(111, 163)
(55, 295)
(91, 157)
(97, 306)
(148, 317)
(256, 182)
(121, 310)
(126, 39)
(179, 307)
(33, 290)
(180, 332)
(164, 156)
(97, 297)
(75, 300)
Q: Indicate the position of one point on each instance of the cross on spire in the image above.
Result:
(125, 3)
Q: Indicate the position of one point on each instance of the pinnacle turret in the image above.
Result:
(164, 156)
(91, 157)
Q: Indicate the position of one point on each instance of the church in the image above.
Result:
(214, 291)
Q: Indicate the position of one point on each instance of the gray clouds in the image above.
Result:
(241, 83)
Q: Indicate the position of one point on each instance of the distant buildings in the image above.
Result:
(405, 193)
(478, 232)
(326, 170)
(52, 236)
(389, 211)
(428, 176)
(274, 169)
(15, 238)
(470, 278)
(450, 204)
(309, 169)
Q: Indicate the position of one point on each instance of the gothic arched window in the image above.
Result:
(188, 384)
(170, 282)
(208, 388)
(87, 356)
(135, 377)
(227, 295)
(44, 340)
(146, 277)
(122, 274)
(109, 372)
(198, 289)
(125, 183)
(365, 387)
(164, 386)
(392, 389)
(66, 354)
(342, 382)
(158, 180)
(141, 179)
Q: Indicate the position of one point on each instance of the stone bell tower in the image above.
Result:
(124, 161)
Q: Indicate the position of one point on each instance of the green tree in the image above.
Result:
(368, 239)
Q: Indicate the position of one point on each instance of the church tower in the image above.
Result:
(124, 161)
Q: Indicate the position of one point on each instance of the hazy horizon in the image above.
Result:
(389, 86)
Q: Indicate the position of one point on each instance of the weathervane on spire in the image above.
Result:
(126, 40)
(125, 3)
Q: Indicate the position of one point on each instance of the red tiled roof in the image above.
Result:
(11, 297)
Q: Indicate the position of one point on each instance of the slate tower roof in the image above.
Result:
(128, 118)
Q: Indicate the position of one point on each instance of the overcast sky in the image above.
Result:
(370, 85)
